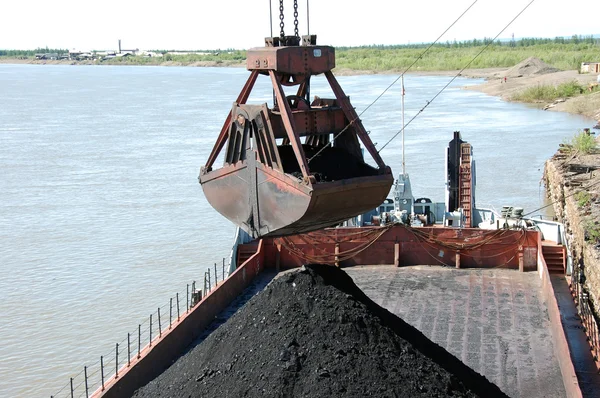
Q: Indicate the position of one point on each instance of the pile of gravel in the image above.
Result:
(314, 333)
(529, 67)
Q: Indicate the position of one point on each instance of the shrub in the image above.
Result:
(583, 143)
(569, 89)
(544, 92)
(583, 198)
(540, 92)
(592, 231)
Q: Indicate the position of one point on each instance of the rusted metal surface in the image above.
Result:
(465, 182)
(287, 207)
(272, 188)
(297, 60)
(289, 125)
(405, 246)
(352, 116)
(242, 98)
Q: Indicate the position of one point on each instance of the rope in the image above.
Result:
(330, 258)
(394, 82)
(316, 241)
(456, 76)
(494, 236)
(567, 196)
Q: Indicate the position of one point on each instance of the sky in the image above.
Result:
(242, 24)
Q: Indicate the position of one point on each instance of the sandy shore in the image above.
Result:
(586, 105)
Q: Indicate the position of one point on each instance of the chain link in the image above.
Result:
(296, 19)
(281, 33)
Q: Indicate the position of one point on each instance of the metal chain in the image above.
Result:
(296, 19)
(281, 33)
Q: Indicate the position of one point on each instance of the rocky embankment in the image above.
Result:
(573, 185)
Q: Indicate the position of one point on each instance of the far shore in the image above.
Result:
(495, 84)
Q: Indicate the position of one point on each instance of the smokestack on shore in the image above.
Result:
(119, 46)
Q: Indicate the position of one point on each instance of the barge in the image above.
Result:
(496, 295)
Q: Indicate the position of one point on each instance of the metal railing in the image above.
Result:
(94, 377)
(590, 325)
(586, 312)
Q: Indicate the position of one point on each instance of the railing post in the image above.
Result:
(102, 371)
(177, 297)
(150, 344)
(117, 361)
(187, 299)
(223, 268)
(139, 340)
(209, 284)
(87, 394)
(159, 325)
(216, 278)
(128, 349)
(170, 311)
(72, 392)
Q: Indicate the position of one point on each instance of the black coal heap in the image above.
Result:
(314, 333)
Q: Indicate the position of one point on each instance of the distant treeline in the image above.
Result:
(560, 52)
(523, 42)
(31, 53)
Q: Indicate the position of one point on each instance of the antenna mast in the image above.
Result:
(403, 164)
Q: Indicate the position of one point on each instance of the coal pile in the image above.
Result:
(313, 333)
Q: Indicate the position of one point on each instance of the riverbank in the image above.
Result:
(501, 82)
(507, 84)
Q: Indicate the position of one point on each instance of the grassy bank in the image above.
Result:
(566, 54)
(548, 92)
(562, 56)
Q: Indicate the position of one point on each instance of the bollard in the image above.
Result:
(159, 325)
(117, 361)
(72, 392)
(128, 349)
(102, 371)
(170, 311)
(87, 395)
(139, 339)
(150, 344)
(177, 297)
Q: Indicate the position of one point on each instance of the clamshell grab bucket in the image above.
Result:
(273, 184)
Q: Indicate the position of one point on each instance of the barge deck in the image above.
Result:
(494, 320)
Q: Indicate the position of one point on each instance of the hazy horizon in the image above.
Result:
(240, 24)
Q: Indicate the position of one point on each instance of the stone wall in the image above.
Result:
(561, 192)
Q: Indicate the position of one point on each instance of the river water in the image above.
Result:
(102, 218)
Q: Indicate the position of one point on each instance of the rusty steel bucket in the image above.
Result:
(272, 184)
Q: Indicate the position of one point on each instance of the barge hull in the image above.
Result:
(541, 361)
